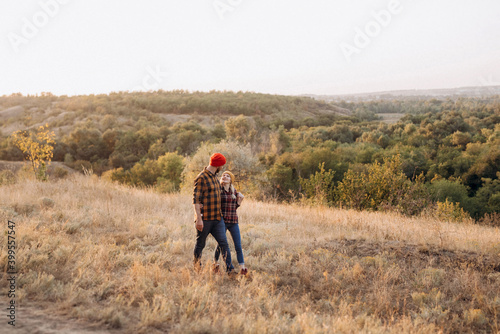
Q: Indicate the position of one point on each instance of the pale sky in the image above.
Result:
(270, 46)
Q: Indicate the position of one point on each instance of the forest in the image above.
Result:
(441, 153)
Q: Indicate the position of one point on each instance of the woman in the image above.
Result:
(231, 200)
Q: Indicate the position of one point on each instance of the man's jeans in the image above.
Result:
(218, 229)
(234, 229)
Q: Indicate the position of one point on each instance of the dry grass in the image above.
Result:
(122, 257)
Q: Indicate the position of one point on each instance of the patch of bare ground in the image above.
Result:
(34, 318)
(418, 255)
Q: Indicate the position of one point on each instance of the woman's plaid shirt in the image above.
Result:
(207, 192)
(229, 206)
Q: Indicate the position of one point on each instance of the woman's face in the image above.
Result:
(225, 178)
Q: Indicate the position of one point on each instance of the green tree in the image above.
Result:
(240, 129)
(382, 187)
(489, 195)
(280, 180)
(460, 139)
(453, 191)
(320, 186)
(171, 166)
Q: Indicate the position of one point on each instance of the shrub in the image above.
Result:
(320, 186)
(7, 177)
(453, 191)
(475, 317)
(383, 187)
(60, 172)
(451, 212)
(46, 203)
(490, 219)
(171, 166)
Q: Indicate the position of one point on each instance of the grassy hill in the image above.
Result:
(125, 109)
(121, 258)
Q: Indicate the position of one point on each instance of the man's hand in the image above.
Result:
(199, 219)
(199, 224)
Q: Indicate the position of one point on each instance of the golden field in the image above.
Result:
(120, 258)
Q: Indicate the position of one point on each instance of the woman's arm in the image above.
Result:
(240, 198)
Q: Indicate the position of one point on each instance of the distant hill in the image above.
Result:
(125, 109)
(477, 91)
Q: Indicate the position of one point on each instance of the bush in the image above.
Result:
(171, 166)
(46, 203)
(488, 196)
(383, 187)
(280, 180)
(164, 174)
(7, 177)
(450, 211)
(320, 186)
(490, 219)
(60, 172)
(81, 165)
(453, 191)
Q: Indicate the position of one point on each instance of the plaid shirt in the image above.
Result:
(229, 206)
(207, 192)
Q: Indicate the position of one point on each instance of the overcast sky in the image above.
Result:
(270, 46)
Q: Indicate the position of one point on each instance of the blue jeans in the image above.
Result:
(234, 229)
(217, 229)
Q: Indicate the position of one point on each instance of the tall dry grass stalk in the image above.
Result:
(122, 257)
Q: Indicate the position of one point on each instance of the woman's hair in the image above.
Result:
(231, 187)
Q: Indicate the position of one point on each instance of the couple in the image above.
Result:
(215, 203)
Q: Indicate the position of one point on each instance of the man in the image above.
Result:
(207, 206)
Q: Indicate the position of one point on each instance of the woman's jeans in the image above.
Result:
(234, 229)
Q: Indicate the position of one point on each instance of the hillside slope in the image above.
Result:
(121, 258)
(124, 109)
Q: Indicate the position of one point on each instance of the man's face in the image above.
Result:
(219, 169)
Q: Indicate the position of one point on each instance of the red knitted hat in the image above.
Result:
(217, 160)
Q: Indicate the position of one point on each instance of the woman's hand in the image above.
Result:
(239, 197)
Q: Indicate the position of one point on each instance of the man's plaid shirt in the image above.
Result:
(229, 206)
(207, 192)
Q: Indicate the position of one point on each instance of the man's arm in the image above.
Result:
(197, 194)
(199, 218)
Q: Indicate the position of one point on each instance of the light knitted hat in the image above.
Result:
(231, 175)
